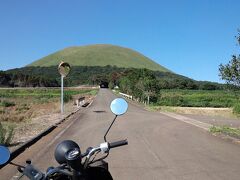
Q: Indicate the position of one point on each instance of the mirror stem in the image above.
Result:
(16, 164)
(109, 128)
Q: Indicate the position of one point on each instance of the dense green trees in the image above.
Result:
(142, 84)
(231, 71)
(4, 79)
(19, 79)
(49, 77)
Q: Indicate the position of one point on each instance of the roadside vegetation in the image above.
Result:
(224, 103)
(233, 132)
(200, 98)
(169, 91)
(19, 106)
(143, 85)
(6, 133)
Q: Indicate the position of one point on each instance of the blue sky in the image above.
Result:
(189, 37)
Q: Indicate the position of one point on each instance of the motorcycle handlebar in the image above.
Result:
(118, 143)
(32, 173)
(59, 171)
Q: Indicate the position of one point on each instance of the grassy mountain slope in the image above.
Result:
(99, 55)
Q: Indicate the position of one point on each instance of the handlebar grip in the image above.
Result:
(118, 143)
(32, 173)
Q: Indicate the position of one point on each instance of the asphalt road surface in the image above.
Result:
(160, 147)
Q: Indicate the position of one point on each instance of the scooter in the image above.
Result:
(75, 165)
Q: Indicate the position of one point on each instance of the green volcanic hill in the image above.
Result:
(99, 55)
(95, 64)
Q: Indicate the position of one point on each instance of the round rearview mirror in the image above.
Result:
(4, 155)
(64, 69)
(119, 106)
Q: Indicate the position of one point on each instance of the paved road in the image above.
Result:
(217, 121)
(160, 147)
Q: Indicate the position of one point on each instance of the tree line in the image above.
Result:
(94, 75)
(49, 77)
(19, 79)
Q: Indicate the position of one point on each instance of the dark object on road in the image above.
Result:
(73, 164)
(99, 111)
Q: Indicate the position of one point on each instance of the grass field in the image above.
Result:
(41, 92)
(19, 106)
(199, 98)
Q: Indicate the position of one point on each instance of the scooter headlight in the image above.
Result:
(64, 147)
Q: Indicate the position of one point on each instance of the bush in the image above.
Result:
(67, 97)
(111, 85)
(7, 103)
(236, 109)
(6, 134)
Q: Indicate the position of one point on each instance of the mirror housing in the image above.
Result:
(119, 106)
(4, 155)
(64, 69)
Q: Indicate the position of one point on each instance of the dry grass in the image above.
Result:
(31, 114)
(223, 112)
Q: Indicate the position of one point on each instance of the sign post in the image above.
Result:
(63, 69)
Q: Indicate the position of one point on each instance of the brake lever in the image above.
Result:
(59, 169)
(87, 152)
(14, 164)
